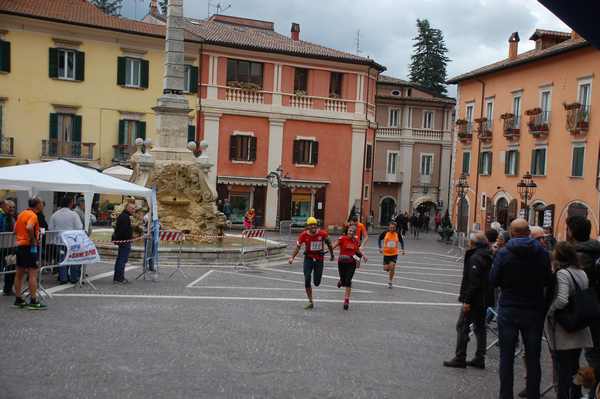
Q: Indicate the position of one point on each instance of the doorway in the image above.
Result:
(388, 205)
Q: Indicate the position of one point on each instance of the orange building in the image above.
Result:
(531, 112)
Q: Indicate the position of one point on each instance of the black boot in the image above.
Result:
(456, 363)
(478, 363)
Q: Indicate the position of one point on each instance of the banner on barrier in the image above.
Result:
(80, 249)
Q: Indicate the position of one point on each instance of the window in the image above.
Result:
(394, 117)
(392, 160)
(517, 109)
(366, 192)
(242, 148)
(301, 204)
(466, 162)
(66, 64)
(130, 130)
(240, 71)
(4, 56)
(426, 164)
(545, 101)
(191, 135)
(369, 160)
(511, 163)
(306, 152)
(489, 114)
(538, 162)
(485, 163)
(190, 79)
(65, 135)
(132, 72)
(427, 119)
(301, 80)
(585, 90)
(578, 157)
(469, 113)
(335, 85)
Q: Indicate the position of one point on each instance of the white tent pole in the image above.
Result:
(89, 197)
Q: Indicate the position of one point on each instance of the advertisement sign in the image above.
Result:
(80, 249)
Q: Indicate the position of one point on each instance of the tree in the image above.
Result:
(110, 7)
(163, 6)
(429, 60)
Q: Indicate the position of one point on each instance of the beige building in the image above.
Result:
(413, 148)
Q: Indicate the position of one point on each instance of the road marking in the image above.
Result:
(269, 289)
(380, 268)
(373, 283)
(281, 279)
(199, 278)
(259, 299)
(63, 287)
(410, 279)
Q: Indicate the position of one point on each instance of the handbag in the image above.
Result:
(581, 311)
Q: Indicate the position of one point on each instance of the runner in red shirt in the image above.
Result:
(313, 239)
(348, 260)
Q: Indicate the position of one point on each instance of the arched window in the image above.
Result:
(502, 212)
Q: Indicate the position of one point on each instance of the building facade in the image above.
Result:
(412, 155)
(529, 113)
(82, 86)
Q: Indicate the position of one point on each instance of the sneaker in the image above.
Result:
(390, 285)
(346, 305)
(477, 363)
(456, 363)
(7, 293)
(309, 306)
(124, 281)
(37, 305)
(20, 303)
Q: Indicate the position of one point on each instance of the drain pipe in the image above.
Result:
(478, 152)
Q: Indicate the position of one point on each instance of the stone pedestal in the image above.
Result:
(172, 119)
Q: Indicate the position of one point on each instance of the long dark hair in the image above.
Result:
(565, 255)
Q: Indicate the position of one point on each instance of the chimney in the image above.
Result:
(513, 46)
(295, 31)
(154, 8)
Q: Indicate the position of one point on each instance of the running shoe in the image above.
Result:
(20, 303)
(37, 305)
(390, 285)
(346, 304)
(309, 306)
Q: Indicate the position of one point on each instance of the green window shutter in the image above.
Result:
(191, 133)
(194, 80)
(315, 153)
(233, 145)
(121, 70)
(533, 160)
(76, 129)
(543, 162)
(122, 132)
(53, 62)
(491, 163)
(4, 56)
(141, 130)
(80, 66)
(53, 127)
(480, 164)
(144, 73)
(507, 162)
(253, 142)
(516, 163)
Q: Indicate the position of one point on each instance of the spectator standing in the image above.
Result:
(579, 230)
(123, 234)
(566, 345)
(227, 208)
(414, 225)
(66, 219)
(7, 223)
(362, 234)
(475, 296)
(249, 219)
(522, 272)
(550, 239)
(27, 235)
(437, 220)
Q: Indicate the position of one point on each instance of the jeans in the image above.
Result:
(567, 362)
(477, 317)
(69, 273)
(9, 279)
(530, 324)
(148, 250)
(122, 257)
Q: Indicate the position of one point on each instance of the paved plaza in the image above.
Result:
(226, 332)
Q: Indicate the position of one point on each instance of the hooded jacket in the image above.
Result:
(522, 271)
(475, 287)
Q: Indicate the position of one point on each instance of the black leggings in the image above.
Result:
(346, 271)
(315, 268)
(568, 364)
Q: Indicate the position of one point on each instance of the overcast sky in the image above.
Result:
(476, 31)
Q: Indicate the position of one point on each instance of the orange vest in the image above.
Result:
(390, 243)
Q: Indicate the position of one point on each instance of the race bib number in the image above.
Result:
(391, 244)
(316, 246)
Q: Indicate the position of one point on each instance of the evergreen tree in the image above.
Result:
(162, 4)
(429, 60)
(110, 7)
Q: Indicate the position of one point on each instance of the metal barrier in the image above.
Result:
(285, 229)
(252, 233)
(177, 237)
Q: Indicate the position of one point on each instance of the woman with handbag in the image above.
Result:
(566, 345)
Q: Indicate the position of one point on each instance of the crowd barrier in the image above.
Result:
(285, 229)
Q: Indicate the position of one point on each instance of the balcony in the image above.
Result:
(484, 129)
(335, 105)
(578, 118)
(464, 131)
(244, 95)
(122, 153)
(301, 101)
(511, 126)
(539, 122)
(67, 149)
(7, 147)
(394, 133)
(382, 177)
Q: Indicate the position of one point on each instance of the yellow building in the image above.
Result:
(82, 85)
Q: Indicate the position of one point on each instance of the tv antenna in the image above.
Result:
(218, 7)
(357, 42)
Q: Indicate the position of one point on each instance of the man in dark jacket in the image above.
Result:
(579, 229)
(123, 233)
(7, 222)
(522, 271)
(474, 295)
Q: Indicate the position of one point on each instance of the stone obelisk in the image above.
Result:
(172, 109)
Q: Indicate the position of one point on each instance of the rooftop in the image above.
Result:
(386, 79)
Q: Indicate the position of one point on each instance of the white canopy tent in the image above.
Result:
(68, 177)
(118, 171)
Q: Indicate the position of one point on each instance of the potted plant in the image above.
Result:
(300, 93)
(533, 111)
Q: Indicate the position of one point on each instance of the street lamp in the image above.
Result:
(275, 180)
(526, 188)
(462, 187)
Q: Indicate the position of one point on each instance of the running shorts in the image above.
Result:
(390, 259)
(25, 259)
(312, 267)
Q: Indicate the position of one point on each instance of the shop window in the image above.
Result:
(300, 208)
(240, 203)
